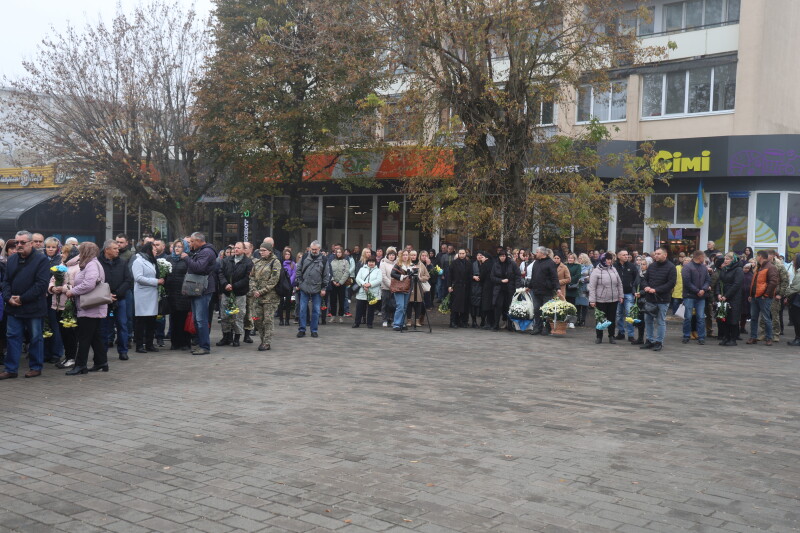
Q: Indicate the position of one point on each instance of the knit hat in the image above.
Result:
(608, 255)
(266, 246)
(391, 250)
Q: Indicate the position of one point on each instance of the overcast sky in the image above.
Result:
(26, 22)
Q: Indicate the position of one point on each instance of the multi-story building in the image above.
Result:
(721, 109)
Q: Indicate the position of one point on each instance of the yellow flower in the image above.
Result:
(54, 269)
(629, 320)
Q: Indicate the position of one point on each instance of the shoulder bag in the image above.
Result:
(100, 295)
(194, 284)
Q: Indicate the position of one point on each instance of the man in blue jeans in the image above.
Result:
(658, 281)
(25, 293)
(696, 283)
(312, 276)
(760, 295)
(201, 261)
(119, 281)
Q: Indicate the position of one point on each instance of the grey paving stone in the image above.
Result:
(460, 430)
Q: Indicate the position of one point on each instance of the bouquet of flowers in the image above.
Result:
(372, 299)
(59, 271)
(600, 318)
(47, 332)
(230, 306)
(164, 268)
(634, 314)
(437, 270)
(444, 307)
(68, 318)
(520, 310)
(558, 310)
(723, 308)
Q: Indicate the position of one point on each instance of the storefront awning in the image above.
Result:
(14, 203)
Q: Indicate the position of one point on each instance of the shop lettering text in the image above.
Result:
(675, 162)
(764, 163)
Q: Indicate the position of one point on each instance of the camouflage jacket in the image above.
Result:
(264, 277)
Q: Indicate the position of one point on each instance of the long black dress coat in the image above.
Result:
(487, 288)
(458, 278)
(505, 270)
(729, 284)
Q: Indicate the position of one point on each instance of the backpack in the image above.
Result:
(284, 286)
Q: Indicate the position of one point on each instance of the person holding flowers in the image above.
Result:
(90, 332)
(61, 281)
(234, 282)
(369, 278)
(145, 295)
(605, 293)
(53, 346)
(729, 299)
(179, 304)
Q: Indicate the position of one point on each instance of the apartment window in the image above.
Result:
(545, 113)
(632, 22)
(686, 92)
(692, 14)
(605, 104)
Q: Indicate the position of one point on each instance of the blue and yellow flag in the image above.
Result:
(699, 208)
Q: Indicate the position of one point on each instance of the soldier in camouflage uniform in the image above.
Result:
(264, 277)
(249, 327)
(776, 308)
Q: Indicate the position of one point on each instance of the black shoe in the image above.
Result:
(599, 340)
(247, 338)
(620, 336)
(78, 370)
(657, 347)
(731, 343)
(613, 340)
(474, 325)
(685, 340)
(795, 342)
(279, 323)
(301, 334)
(174, 347)
(99, 368)
(701, 341)
(398, 329)
(369, 326)
(637, 341)
(647, 345)
(151, 348)
(225, 340)
(354, 326)
(486, 327)
(141, 349)
(723, 342)
(160, 343)
(631, 339)
(236, 342)
(123, 356)
(314, 335)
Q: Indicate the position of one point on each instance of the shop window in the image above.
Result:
(390, 223)
(737, 234)
(359, 221)
(688, 92)
(793, 225)
(659, 208)
(684, 212)
(630, 227)
(333, 220)
(716, 217)
(767, 216)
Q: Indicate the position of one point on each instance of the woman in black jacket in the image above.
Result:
(179, 305)
(505, 278)
(728, 288)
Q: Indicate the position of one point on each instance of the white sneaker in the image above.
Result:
(385, 324)
(341, 320)
(571, 325)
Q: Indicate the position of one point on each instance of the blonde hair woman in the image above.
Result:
(401, 286)
(582, 299)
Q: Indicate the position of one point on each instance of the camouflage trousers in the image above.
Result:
(248, 315)
(264, 318)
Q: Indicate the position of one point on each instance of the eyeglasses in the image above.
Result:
(22, 243)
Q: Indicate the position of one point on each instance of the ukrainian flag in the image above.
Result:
(699, 207)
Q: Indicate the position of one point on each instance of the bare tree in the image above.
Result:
(113, 106)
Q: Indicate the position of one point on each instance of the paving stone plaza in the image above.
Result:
(372, 430)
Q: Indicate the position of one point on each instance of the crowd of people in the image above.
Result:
(63, 300)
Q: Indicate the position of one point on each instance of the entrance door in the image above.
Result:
(679, 239)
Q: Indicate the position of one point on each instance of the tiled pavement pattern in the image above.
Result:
(372, 430)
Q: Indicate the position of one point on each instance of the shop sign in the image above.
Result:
(44, 177)
(675, 162)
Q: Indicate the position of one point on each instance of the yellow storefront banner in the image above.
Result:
(44, 177)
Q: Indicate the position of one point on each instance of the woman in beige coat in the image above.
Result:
(416, 298)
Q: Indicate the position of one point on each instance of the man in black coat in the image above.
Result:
(505, 279)
(458, 279)
(119, 279)
(658, 282)
(25, 294)
(543, 285)
(234, 282)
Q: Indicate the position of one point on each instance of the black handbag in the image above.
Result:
(650, 308)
